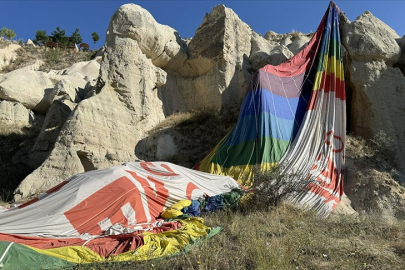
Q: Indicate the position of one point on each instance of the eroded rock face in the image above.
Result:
(378, 87)
(215, 75)
(104, 129)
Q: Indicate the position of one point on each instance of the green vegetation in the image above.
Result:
(76, 37)
(95, 37)
(7, 33)
(55, 59)
(41, 38)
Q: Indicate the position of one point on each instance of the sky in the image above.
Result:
(26, 17)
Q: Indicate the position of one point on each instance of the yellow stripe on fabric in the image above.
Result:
(336, 69)
(75, 254)
(243, 174)
(166, 243)
(155, 245)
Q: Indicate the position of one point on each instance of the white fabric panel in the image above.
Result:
(46, 217)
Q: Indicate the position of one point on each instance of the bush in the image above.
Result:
(271, 187)
(7, 33)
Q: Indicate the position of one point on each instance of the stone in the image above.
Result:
(368, 38)
(67, 90)
(8, 54)
(166, 148)
(53, 122)
(33, 89)
(158, 42)
(30, 43)
(14, 113)
(215, 75)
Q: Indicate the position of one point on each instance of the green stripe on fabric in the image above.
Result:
(334, 50)
(20, 257)
(263, 150)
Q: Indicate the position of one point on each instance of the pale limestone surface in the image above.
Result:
(33, 89)
(378, 87)
(14, 113)
(104, 129)
(8, 54)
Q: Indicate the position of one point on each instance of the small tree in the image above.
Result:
(95, 37)
(7, 33)
(76, 37)
(41, 37)
(59, 36)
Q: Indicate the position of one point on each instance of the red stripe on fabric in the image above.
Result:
(56, 188)
(189, 190)
(318, 190)
(156, 198)
(28, 203)
(329, 83)
(105, 204)
(104, 246)
(146, 166)
(300, 62)
(333, 84)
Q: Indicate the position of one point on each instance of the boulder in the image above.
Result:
(34, 66)
(66, 90)
(33, 89)
(14, 113)
(8, 54)
(158, 42)
(87, 68)
(79, 74)
(265, 52)
(368, 38)
(401, 61)
(53, 122)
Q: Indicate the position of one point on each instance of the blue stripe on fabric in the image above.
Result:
(262, 100)
(252, 127)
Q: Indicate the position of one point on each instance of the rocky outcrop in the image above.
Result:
(62, 105)
(215, 75)
(8, 54)
(401, 61)
(378, 88)
(33, 89)
(104, 129)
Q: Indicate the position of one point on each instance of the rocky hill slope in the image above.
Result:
(91, 115)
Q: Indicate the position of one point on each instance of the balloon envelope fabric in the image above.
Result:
(108, 215)
(293, 118)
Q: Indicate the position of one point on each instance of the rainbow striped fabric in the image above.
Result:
(293, 117)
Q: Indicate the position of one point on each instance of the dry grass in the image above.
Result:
(194, 133)
(285, 237)
(54, 59)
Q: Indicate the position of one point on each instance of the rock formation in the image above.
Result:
(378, 89)
(8, 54)
(97, 115)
